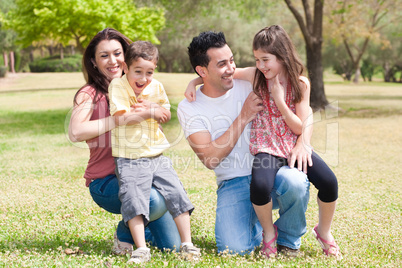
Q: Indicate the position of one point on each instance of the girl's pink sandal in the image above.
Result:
(269, 248)
(333, 249)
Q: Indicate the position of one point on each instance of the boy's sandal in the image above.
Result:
(269, 249)
(333, 249)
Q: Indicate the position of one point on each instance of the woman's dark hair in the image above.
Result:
(274, 40)
(197, 50)
(92, 75)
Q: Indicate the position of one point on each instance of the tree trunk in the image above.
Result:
(387, 72)
(61, 52)
(318, 100)
(12, 62)
(50, 49)
(311, 28)
(357, 75)
(5, 57)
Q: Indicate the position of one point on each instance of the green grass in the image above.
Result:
(46, 210)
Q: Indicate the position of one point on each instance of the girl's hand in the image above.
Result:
(277, 89)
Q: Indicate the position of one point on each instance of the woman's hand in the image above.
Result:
(143, 105)
(161, 115)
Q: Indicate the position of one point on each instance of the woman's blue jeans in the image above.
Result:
(161, 230)
(237, 229)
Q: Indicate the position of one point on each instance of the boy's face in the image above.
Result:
(139, 74)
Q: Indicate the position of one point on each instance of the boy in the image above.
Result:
(138, 146)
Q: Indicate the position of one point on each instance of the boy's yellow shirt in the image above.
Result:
(144, 139)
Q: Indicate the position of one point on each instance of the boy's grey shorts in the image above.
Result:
(137, 176)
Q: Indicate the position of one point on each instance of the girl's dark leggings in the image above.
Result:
(265, 167)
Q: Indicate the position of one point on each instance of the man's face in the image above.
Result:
(220, 70)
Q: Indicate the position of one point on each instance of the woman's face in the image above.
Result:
(268, 64)
(109, 58)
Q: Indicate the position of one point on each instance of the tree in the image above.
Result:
(7, 36)
(355, 24)
(311, 26)
(80, 20)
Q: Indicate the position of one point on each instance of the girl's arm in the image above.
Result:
(240, 73)
(247, 74)
(294, 121)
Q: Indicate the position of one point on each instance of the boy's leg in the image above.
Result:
(237, 229)
(163, 233)
(183, 225)
(291, 196)
(136, 226)
(167, 183)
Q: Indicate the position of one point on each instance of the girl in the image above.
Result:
(285, 93)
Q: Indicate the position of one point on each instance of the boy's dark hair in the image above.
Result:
(141, 49)
(197, 50)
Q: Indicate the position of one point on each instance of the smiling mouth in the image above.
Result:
(139, 85)
(113, 69)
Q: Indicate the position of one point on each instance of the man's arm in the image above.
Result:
(212, 152)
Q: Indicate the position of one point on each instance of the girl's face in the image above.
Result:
(109, 58)
(268, 64)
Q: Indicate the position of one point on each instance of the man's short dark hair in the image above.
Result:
(200, 44)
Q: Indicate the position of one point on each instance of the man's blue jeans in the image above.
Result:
(161, 230)
(237, 228)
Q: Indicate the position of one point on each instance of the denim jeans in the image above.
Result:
(161, 230)
(237, 228)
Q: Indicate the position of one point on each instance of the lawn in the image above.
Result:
(48, 218)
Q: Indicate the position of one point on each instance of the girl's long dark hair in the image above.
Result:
(274, 40)
(93, 76)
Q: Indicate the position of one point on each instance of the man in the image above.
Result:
(217, 128)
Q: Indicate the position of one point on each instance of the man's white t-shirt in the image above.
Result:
(215, 115)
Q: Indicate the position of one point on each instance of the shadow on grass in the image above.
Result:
(90, 246)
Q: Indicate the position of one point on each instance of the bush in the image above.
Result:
(3, 71)
(52, 64)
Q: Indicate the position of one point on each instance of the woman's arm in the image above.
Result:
(81, 128)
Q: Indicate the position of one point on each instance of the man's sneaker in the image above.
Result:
(140, 255)
(288, 252)
(121, 248)
(190, 253)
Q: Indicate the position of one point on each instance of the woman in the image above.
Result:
(91, 122)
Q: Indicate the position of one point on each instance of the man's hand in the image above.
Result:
(251, 106)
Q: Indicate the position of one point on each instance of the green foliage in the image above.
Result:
(367, 69)
(55, 64)
(79, 20)
(3, 71)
